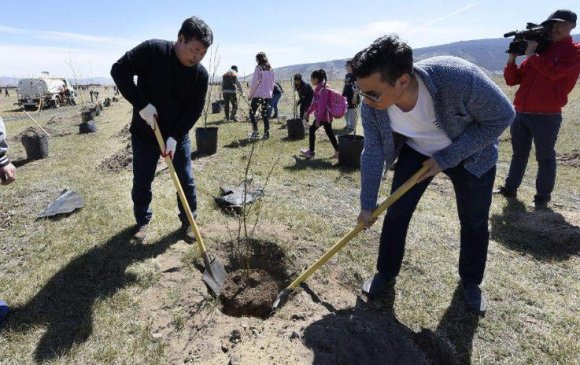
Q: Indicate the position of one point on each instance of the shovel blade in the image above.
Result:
(214, 276)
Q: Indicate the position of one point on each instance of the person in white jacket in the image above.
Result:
(261, 94)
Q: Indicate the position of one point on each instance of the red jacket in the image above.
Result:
(546, 79)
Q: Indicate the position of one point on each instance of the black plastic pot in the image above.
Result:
(36, 146)
(88, 127)
(295, 129)
(216, 107)
(97, 110)
(206, 140)
(349, 150)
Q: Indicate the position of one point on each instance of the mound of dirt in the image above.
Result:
(569, 159)
(249, 293)
(124, 133)
(122, 160)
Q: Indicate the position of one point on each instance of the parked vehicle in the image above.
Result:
(42, 92)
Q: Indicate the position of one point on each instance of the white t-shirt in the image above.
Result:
(418, 124)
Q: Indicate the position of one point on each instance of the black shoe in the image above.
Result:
(187, 233)
(140, 232)
(505, 192)
(474, 299)
(377, 285)
(541, 205)
(266, 135)
(274, 116)
(254, 136)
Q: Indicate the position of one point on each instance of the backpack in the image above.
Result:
(337, 104)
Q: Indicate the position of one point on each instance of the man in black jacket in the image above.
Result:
(305, 94)
(171, 88)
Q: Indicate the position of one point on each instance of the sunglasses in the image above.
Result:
(371, 97)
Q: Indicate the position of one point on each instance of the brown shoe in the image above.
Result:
(140, 232)
(187, 232)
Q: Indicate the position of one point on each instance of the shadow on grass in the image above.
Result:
(219, 122)
(546, 235)
(65, 304)
(368, 333)
(312, 164)
(458, 327)
(196, 155)
(241, 143)
(21, 162)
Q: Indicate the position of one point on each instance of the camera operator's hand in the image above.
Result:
(531, 49)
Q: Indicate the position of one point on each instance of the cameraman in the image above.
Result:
(545, 81)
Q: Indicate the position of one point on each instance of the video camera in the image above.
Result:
(533, 32)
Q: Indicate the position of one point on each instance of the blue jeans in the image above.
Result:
(543, 129)
(145, 158)
(473, 198)
(274, 104)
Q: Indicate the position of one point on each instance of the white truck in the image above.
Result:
(42, 92)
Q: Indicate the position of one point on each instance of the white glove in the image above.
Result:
(149, 114)
(170, 147)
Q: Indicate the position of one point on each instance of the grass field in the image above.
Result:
(82, 293)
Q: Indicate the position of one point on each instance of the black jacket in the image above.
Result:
(348, 91)
(305, 94)
(177, 92)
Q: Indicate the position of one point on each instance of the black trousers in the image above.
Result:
(329, 133)
(233, 99)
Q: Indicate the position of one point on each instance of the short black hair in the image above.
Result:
(388, 55)
(196, 28)
(297, 77)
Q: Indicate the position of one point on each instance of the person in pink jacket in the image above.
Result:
(321, 114)
(261, 94)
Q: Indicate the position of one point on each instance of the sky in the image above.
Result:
(83, 39)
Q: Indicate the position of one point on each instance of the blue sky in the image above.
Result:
(84, 38)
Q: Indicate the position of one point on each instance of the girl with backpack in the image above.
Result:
(261, 94)
(322, 115)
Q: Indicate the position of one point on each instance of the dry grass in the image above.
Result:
(77, 285)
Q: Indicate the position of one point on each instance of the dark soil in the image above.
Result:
(124, 133)
(31, 132)
(569, 159)
(122, 160)
(249, 293)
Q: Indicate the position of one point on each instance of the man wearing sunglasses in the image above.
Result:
(444, 113)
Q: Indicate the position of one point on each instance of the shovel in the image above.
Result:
(283, 295)
(214, 274)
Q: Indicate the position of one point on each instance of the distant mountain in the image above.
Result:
(489, 54)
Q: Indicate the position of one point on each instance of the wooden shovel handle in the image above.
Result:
(359, 227)
(181, 194)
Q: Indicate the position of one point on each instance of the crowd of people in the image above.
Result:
(441, 113)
